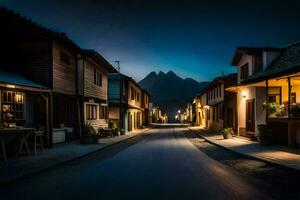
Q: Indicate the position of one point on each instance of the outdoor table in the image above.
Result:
(23, 134)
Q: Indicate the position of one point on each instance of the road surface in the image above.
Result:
(164, 165)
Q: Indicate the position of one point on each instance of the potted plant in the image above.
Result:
(272, 107)
(227, 133)
(264, 135)
(115, 128)
(90, 135)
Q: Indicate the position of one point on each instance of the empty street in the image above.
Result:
(161, 164)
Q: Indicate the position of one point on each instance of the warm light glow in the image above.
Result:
(18, 97)
(244, 93)
(206, 107)
(178, 111)
(10, 86)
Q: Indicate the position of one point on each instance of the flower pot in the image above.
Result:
(227, 136)
(272, 115)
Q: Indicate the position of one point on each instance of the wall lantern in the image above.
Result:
(244, 94)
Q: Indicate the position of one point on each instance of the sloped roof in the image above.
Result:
(13, 19)
(99, 59)
(240, 51)
(287, 62)
(16, 79)
(228, 80)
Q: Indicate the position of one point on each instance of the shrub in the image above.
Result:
(89, 134)
(227, 132)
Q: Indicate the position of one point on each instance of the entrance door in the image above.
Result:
(250, 121)
(129, 122)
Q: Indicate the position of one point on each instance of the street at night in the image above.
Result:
(160, 99)
(163, 164)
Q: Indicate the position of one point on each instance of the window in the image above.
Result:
(64, 57)
(97, 78)
(138, 96)
(103, 112)
(13, 105)
(213, 114)
(220, 91)
(274, 95)
(244, 71)
(132, 93)
(91, 112)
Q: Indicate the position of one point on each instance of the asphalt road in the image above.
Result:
(164, 165)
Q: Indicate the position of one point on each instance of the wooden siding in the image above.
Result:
(64, 75)
(113, 112)
(80, 76)
(29, 59)
(90, 88)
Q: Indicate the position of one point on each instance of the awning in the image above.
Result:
(13, 80)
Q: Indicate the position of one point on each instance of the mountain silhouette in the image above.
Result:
(170, 91)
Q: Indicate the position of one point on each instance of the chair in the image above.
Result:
(38, 135)
(3, 149)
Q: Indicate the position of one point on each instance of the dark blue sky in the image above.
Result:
(193, 38)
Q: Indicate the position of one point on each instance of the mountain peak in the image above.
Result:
(153, 73)
(171, 73)
(161, 73)
(170, 91)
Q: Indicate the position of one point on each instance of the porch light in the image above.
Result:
(244, 93)
(178, 111)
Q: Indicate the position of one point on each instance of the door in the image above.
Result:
(129, 122)
(250, 121)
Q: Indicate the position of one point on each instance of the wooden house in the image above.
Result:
(93, 72)
(47, 58)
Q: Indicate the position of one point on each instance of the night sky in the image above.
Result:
(193, 39)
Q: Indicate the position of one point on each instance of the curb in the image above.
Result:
(246, 155)
(24, 176)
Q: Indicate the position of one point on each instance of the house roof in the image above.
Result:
(227, 80)
(96, 57)
(287, 62)
(16, 79)
(240, 51)
(19, 22)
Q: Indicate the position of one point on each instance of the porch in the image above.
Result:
(274, 101)
(24, 116)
